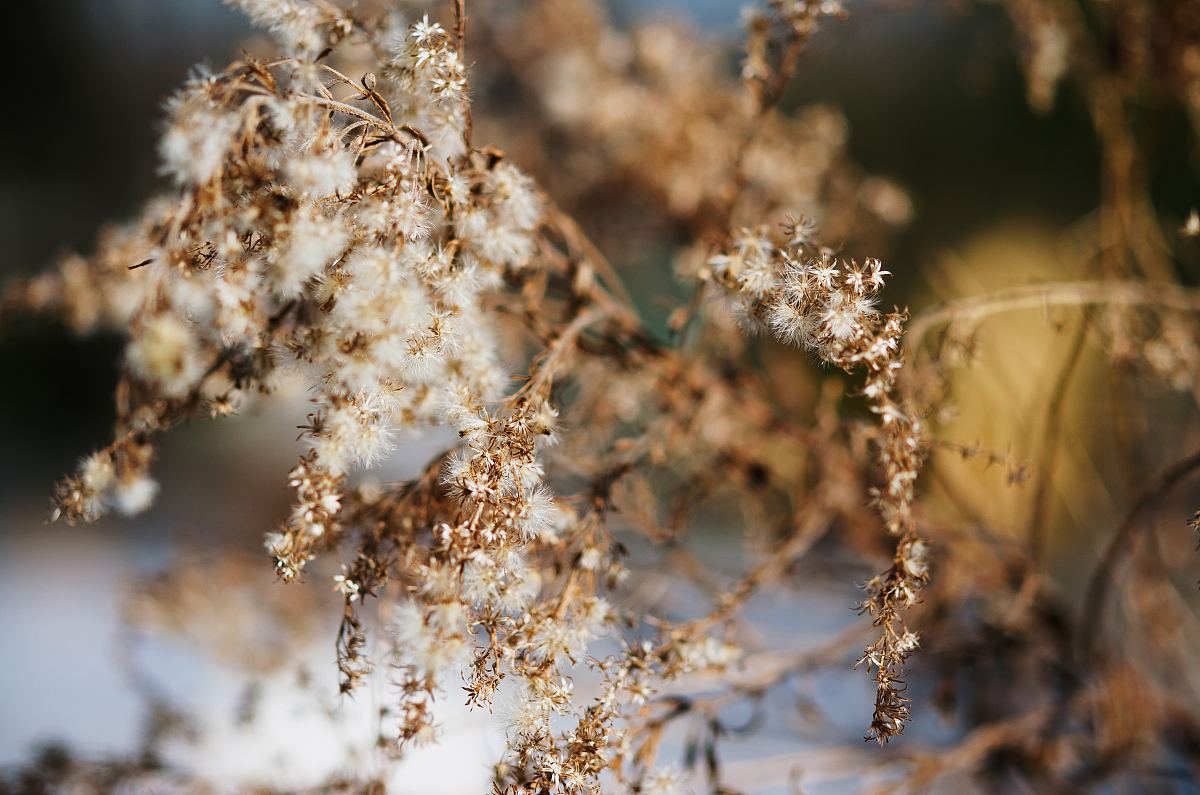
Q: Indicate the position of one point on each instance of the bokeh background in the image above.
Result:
(934, 99)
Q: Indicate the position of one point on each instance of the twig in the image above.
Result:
(1101, 579)
(1116, 293)
(1048, 454)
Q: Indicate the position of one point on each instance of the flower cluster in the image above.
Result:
(346, 234)
(810, 299)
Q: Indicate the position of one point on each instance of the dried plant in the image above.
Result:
(336, 221)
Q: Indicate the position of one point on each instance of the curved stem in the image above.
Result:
(1098, 585)
(976, 308)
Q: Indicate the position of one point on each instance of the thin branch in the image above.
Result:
(460, 40)
(1098, 586)
(1048, 454)
(1036, 296)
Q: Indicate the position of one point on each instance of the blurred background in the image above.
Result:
(934, 100)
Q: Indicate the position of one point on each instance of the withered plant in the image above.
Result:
(338, 218)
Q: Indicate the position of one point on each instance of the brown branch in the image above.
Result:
(1048, 454)
(1098, 586)
(460, 41)
(1036, 296)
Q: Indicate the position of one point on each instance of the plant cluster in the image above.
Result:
(334, 221)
